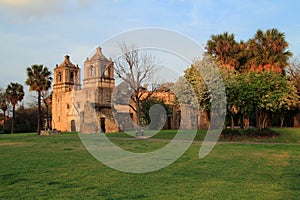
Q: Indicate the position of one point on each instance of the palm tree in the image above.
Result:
(269, 51)
(15, 93)
(39, 79)
(3, 102)
(224, 49)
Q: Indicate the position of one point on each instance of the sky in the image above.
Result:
(43, 31)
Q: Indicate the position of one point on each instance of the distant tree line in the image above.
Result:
(26, 119)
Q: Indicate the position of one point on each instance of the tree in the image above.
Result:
(193, 76)
(184, 92)
(231, 82)
(136, 69)
(224, 49)
(265, 51)
(3, 102)
(155, 119)
(207, 85)
(26, 119)
(39, 79)
(47, 98)
(274, 94)
(15, 93)
(268, 51)
(264, 93)
(293, 70)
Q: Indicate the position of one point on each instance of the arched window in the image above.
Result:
(72, 77)
(107, 71)
(92, 70)
(58, 77)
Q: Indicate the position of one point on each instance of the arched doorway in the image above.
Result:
(73, 126)
(102, 124)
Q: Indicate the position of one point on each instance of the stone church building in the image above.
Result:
(74, 105)
(88, 108)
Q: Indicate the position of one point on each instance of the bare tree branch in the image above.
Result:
(136, 68)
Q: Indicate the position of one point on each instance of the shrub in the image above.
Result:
(230, 134)
(261, 133)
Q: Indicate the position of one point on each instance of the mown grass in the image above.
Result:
(59, 167)
(287, 135)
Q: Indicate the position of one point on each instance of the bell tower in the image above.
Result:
(99, 79)
(66, 83)
(99, 84)
(97, 68)
(66, 76)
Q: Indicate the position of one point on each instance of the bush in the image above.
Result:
(230, 134)
(261, 133)
(250, 133)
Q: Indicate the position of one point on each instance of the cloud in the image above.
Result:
(36, 8)
(85, 3)
(15, 3)
(31, 7)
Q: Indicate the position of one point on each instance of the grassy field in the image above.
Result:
(287, 135)
(59, 167)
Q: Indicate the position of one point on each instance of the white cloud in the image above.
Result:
(37, 8)
(31, 8)
(15, 3)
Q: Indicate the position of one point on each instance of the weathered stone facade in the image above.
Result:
(66, 82)
(75, 108)
(89, 109)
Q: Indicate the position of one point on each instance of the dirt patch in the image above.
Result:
(11, 143)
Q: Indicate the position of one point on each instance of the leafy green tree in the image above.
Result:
(274, 94)
(183, 91)
(39, 79)
(207, 84)
(264, 93)
(26, 119)
(158, 118)
(15, 93)
(245, 95)
(231, 82)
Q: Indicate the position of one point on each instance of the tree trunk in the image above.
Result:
(261, 119)
(231, 121)
(281, 120)
(47, 115)
(137, 104)
(39, 114)
(4, 118)
(241, 121)
(257, 117)
(13, 120)
(265, 120)
(208, 119)
(246, 121)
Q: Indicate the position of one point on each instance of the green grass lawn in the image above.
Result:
(59, 167)
(287, 135)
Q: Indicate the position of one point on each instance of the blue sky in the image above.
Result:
(43, 31)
